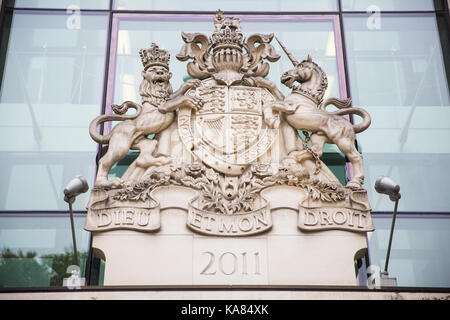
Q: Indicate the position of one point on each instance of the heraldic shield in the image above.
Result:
(228, 132)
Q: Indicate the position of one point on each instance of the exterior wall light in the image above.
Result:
(75, 187)
(386, 185)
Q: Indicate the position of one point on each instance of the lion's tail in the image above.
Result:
(344, 105)
(119, 116)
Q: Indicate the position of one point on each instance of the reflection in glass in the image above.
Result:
(301, 37)
(61, 4)
(397, 73)
(387, 5)
(228, 5)
(50, 91)
(419, 255)
(36, 251)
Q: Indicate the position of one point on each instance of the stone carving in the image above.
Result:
(231, 137)
(304, 111)
(234, 137)
(222, 55)
(155, 115)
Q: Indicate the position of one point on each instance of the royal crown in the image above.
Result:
(227, 32)
(154, 56)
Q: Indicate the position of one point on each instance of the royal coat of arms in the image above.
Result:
(230, 135)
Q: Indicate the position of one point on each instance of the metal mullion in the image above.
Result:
(344, 53)
(209, 13)
(348, 91)
(90, 263)
(34, 214)
(2, 13)
(347, 82)
(443, 27)
(106, 71)
(4, 36)
(412, 214)
(57, 9)
(394, 12)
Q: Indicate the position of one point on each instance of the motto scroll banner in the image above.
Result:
(353, 215)
(107, 214)
(243, 224)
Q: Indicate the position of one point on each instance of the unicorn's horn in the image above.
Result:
(290, 56)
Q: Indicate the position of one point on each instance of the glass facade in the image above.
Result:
(303, 35)
(228, 5)
(419, 255)
(60, 4)
(387, 5)
(397, 73)
(51, 88)
(62, 63)
(36, 249)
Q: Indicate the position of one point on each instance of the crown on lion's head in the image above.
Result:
(154, 56)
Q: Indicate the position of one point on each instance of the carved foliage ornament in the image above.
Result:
(230, 137)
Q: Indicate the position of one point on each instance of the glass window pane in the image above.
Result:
(36, 251)
(227, 5)
(387, 5)
(397, 73)
(419, 253)
(51, 89)
(300, 36)
(60, 4)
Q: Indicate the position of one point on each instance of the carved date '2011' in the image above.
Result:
(229, 263)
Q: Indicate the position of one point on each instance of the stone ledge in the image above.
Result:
(223, 293)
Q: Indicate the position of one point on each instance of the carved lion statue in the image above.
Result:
(156, 113)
